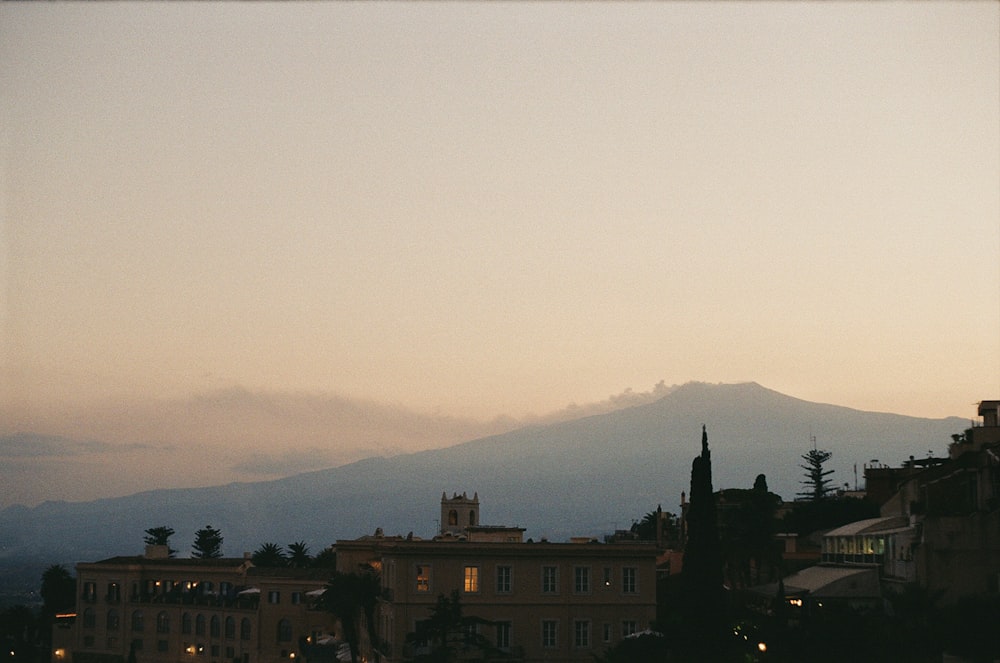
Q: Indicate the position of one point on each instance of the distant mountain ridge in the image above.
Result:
(586, 476)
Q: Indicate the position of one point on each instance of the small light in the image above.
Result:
(292, 655)
(60, 653)
(761, 647)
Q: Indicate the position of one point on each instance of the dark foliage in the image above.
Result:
(207, 543)
(817, 484)
(352, 598)
(269, 555)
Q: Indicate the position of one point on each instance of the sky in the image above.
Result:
(249, 239)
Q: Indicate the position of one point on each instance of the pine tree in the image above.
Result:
(816, 482)
(207, 543)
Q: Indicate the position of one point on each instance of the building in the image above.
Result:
(167, 610)
(939, 529)
(536, 601)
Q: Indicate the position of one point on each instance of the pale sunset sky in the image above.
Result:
(293, 235)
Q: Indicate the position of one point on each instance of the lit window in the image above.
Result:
(472, 579)
(503, 579)
(274, 596)
(608, 577)
(628, 628)
(549, 632)
(581, 580)
(423, 578)
(628, 580)
(581, 634)
(549, 579)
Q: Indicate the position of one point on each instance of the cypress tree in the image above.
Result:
(702, 570)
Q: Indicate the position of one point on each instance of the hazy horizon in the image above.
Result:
(286, 234)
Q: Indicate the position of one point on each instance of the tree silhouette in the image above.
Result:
(160, 536)
(352, 598)
(702, 570)
(269, 555)
(817, 484)
(207, 543)
(298, 555)
(58, 590)
(449, 635)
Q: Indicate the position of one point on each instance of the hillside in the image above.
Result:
(586, 476)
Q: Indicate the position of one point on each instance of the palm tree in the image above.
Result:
(298, 555)
(269, 555)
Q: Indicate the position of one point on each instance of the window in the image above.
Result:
(114, 620)
(199, 625)
(628, 580)
(607, 632)
(137, 621)
(274, 596)
(230, 652)
(581, 633)
(284, 631)
(608, 576)
(549, 580)
(89, 618)
(244, 629)
(161, 645)
(88, 641)
(472, 518)
(186, 623)
(423, 578)
(215, 651)
(453, 518)
(90, 592)
(628, 628)
(472, 579)
(581, 580)
(214, 628)
(230, 629)
(114, 592)
(296, 598)
(503, 635)
(111, 643)
(549, 633)
(163, 623)
(503, 579)
(137, 644)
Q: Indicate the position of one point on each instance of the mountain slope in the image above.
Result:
(586, 476)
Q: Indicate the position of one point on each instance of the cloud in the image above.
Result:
(35, 445)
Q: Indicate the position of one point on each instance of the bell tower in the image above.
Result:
(458, 512)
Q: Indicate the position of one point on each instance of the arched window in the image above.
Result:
(89, 619)
(199, 625)
(284, 631)
(163, 623)
(472, 518)
(244, 629)
(186, 623)
(137, 621)
(113, 620)
(214, 626)
(230, 628)
(453, 517)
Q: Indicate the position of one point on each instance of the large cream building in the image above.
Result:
(539, 601)
(168, 610)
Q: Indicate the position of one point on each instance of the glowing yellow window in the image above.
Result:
(423, 578)
(472, 579)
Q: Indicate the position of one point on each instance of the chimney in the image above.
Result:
(157, 552)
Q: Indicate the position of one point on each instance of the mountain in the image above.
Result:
(587, 476)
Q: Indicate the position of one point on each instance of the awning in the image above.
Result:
(316, 593)
(248, 591)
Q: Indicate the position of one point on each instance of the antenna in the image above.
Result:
(812, 438)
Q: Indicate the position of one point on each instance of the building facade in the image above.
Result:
(534, 601)
(166, 610)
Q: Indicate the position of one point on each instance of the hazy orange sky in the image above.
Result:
(439, 214)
